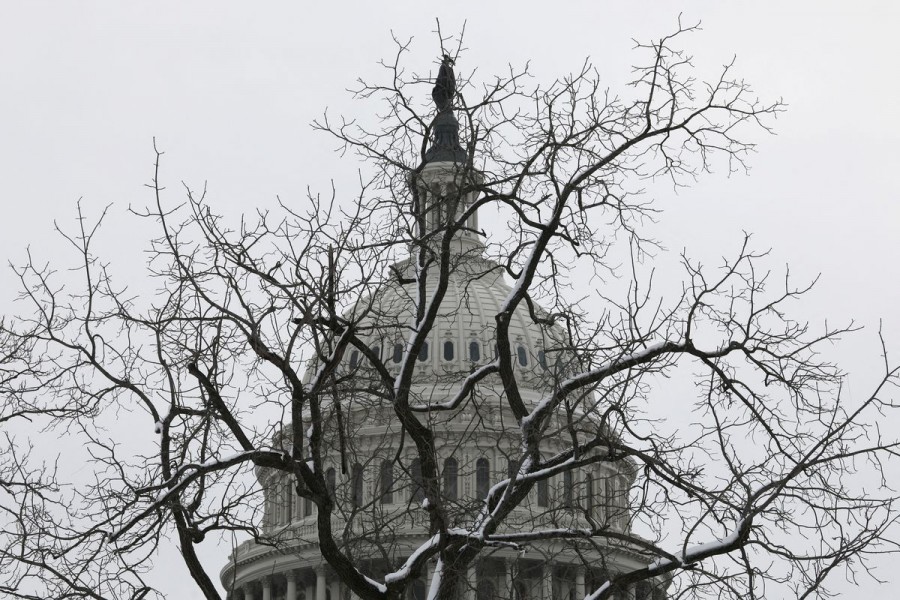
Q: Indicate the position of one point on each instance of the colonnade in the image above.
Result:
(547, 583)
(297, 585)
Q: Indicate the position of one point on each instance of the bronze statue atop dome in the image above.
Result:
(444, 86)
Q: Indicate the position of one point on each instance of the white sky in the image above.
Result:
(229, 90)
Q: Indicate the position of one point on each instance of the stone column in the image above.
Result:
(508, 580)
(547, 582)
(320, 583)
(291, 593)
(266, 587)
(579, 583)
(248, 591)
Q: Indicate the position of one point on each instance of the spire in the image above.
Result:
(445, 146)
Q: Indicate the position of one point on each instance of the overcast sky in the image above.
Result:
(229, 89)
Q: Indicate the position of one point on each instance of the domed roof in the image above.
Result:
(464, 331)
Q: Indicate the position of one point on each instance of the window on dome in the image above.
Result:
(386, 482)
(589, 494)
(276, 503)
(376, 350)
(415, 473)
(356, 496)
(451, 479)
(354, 359)
(288, 501)
(448, 350)
(423, 351)
(542, 359)
(618, 503)
(543, 493)
(609, 493)
(398, 352)
(523, 356)
(474, 351)
(279, 503)
(482, 477)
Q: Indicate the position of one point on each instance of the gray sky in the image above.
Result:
(229, 90)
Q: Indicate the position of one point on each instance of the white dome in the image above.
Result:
(378, 501)
(463, 335)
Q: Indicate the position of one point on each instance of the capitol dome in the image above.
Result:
(373, 473)
(463, 334)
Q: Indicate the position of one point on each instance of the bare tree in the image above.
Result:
(296, 345)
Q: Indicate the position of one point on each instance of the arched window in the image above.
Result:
(543, 493)
(474, 351)
(568, 485)
(451, 479)
(523, 356)
(330, 481)
(386, 482)
(542, 359)
(486, 590)
(398, 353)
(357, 486)
(482, 477)
(423, 351)
(448, 350)
(376, 350)
(354, 359)
(415, 473)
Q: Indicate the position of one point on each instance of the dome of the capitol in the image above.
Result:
(372, 469)
(462, 337)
